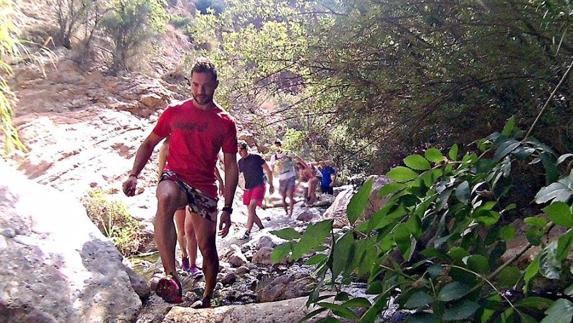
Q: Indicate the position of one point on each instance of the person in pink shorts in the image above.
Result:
(252, 167)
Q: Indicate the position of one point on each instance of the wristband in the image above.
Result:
(228, 209)
(132, 175)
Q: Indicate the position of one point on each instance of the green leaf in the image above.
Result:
(313, 314)
(453, 153)
(401, 174)
(549, 266)
(531, 270)
(342, 254)
(560, 191)
(477, 263)
(460, 311)
(312, 238)
(551, 171)
(535, 221)
(316, 259)
(417, 162)
(563, 246)
(390, 188)
(487, 217)
(560, 214)
(434, 155)
(280, 252)
(359, 302)
(507, 233)
(463, 192)
(358, 202)
(339, 310)
(560, 312)
(435, 270)
(509, 126)
(535, 302)
(508, 276)
(504, 149)
(419, 299)
(287, 234)
(563, 157)
(452, 291)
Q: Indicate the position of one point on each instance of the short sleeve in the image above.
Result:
(261, 160)
(230, 145)
(163, 126)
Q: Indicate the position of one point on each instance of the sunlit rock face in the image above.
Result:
(56, 266)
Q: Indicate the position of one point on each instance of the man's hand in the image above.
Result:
(271, 189)
(129, 186)
(224, 224)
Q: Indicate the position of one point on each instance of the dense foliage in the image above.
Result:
(436, 245)
(368, 81)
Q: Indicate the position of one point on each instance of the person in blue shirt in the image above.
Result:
(328, 177)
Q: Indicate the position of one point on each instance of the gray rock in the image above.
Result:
(229, 279)
(235, 257)
(265, 241)
(263, 256)
(292, 310)
(285, 287)
(66, 270)
(243, 270)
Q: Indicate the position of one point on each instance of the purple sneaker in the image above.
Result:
(185, 264)
(195, 272)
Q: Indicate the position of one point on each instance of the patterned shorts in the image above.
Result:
(197, 201)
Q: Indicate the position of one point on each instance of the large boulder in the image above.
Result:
(291, 310)
(56, 265)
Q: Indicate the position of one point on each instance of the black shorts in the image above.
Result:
(197, 201)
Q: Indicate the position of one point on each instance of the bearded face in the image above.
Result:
(203, 86)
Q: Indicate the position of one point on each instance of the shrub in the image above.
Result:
(130, 24)
(113, 220)
(436, 246)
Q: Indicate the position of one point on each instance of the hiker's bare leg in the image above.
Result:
(291, 200)
(253, 217)
(191, 240)
(205, 232)
(181, 236)
(169, 199)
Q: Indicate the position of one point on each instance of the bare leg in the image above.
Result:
(253, 217)
(169, 199)
(180, 225)
(291, 201)
(205, 231)
(191, 240)
(285, 205)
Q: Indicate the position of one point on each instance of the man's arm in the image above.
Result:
(269, 173)
(141, 157)
(231, 179)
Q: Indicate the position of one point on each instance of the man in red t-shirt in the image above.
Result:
(198, 129)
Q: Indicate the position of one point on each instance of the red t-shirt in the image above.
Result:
(196, 137)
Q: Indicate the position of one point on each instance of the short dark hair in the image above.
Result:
(243, 144)
(278, 142)
(204, 65)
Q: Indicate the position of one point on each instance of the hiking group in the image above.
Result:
(195, 132)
